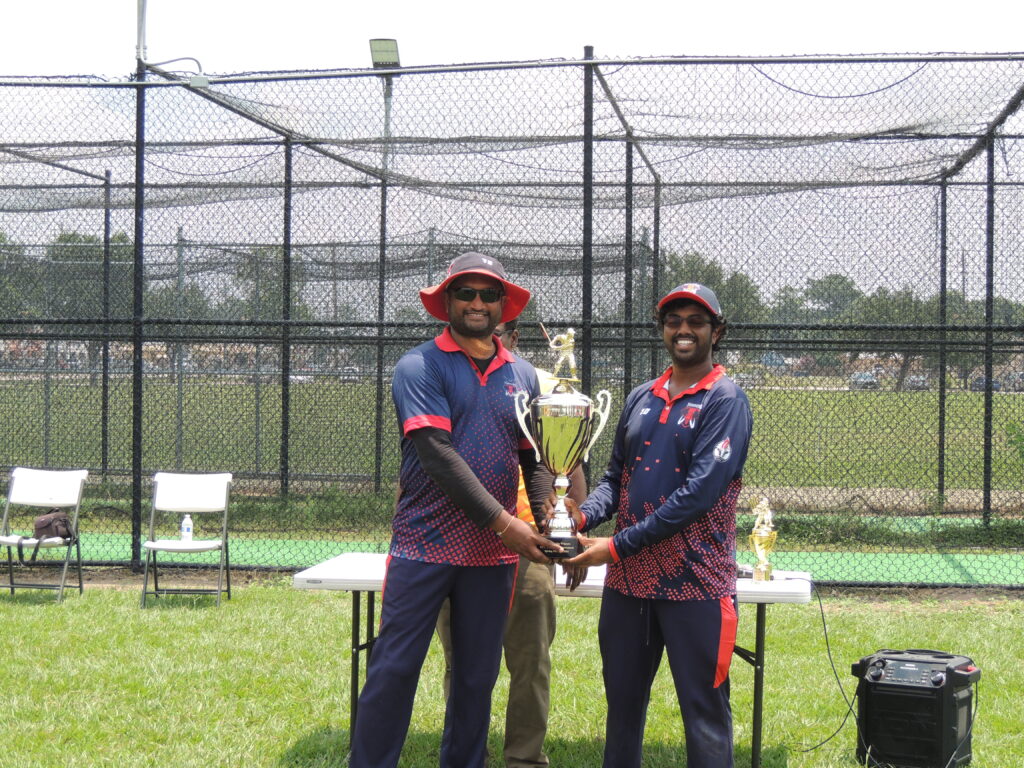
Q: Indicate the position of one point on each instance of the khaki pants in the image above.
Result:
(528, 634)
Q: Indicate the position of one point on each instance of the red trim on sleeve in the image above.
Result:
(525, 445)
(726, 639)
(611, 548)
(419, 422)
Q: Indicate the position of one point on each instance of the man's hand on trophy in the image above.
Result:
(596, 552)
(549, 510)
(519, 536)
(574, 510)
(574, 574)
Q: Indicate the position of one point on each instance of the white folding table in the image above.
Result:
(363, 572)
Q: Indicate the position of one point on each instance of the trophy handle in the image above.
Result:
(522, 408)
(604, 399)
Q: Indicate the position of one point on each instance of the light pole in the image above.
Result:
(384, 54)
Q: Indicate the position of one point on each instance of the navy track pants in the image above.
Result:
(699, 636)
(411, 601)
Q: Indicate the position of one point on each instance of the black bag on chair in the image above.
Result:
(56, 522)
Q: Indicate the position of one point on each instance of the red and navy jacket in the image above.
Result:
(438, 385)
(672, 485)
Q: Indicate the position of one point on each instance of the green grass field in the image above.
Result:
(262, 682)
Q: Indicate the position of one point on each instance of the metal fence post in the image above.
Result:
(179, 387)
(655, 265)
(378, 449)
(627, 299)
(942, 318)
(137, 298)
(990, 246)
(105, 371)
(286, 313)
(588, 220)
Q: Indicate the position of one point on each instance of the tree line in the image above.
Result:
(829, 320)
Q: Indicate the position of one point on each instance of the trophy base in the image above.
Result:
(571, 545)
(763, 572)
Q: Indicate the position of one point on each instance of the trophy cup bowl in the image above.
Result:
(561, 426)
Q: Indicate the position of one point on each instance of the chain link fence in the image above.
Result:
(219, 274)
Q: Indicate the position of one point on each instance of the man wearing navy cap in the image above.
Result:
(455, 533)
(671, 485)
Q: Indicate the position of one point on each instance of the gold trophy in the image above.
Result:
(762, 540)
(562, 426)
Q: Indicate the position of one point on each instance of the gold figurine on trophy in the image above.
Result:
(564, 344)
(762, 539)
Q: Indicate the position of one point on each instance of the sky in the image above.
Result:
(98, 37)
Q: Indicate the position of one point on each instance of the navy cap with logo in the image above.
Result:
(472, 263)
(694, 292)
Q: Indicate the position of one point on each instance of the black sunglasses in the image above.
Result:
(467, 294)
(694, 321)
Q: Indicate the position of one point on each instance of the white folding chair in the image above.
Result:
(42, 489)
(175, 495)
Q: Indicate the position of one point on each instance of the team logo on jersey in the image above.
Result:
(687, 420)
(723, 450)
(645, 411)
(511, 389)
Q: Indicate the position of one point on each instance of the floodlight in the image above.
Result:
(384, 53)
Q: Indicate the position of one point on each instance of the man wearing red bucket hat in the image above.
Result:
(455, 533)
(672, 485)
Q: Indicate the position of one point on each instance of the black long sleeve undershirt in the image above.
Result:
(449, 470)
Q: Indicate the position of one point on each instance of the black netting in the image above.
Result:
(860, 219)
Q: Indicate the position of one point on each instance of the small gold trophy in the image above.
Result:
(762, 540)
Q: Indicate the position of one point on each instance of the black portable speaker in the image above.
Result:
(914, 709)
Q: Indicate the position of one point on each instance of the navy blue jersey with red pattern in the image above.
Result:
(438, 385)
(672, 484)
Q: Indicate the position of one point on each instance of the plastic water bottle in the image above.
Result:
(186, 528)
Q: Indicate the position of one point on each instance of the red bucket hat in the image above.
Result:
(516, 297)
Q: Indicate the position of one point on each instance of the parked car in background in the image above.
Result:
(916, 383)
(863, 381)
(1015, 382)
(749, 379)
(349, 373)
(978, 384)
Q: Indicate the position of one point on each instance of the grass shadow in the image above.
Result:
(589, 753)
(34, 596)
(180, 602)
(328, 748)
(771, 757)
(322, 748)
